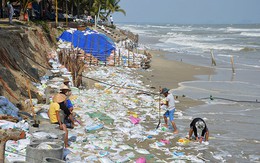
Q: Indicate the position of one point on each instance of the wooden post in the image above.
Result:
(106, 60)
(6, 135)
(213, 62)
(90, 60)
(114, 58)
(119, 57)
(128, 60)
(232, 63)
(133, 58)
(30, 96)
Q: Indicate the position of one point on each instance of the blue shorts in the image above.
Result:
(170, 114)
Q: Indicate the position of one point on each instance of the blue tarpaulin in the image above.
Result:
(97, 44)
(66, 36)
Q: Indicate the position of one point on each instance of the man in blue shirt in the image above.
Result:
(65, 90)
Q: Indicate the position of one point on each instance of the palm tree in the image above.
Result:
(114, 7)
(106, 8)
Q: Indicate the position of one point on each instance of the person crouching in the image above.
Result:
(55, 115)
(198, 125)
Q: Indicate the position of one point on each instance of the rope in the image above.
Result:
(227, 99)
(148, 92)
(35, 61)
(112, 85)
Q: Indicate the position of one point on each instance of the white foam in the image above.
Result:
(135, 29)
(250, 34)
(231, 29)
(192, 42)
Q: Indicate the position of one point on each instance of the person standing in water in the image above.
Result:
(169, 106)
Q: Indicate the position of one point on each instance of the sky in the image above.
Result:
(189, 11)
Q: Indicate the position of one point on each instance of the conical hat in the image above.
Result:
(63, 86)
(59, 98)
(66, 80)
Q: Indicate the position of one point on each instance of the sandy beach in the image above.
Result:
(166, 73)
(169, 73)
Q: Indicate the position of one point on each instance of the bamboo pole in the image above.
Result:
(56, 8)
(67, 13)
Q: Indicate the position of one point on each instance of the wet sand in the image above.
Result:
(169, 73)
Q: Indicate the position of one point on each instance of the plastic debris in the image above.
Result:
(141, 160)
(134, 120)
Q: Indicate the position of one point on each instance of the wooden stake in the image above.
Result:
(133, 57)
(128, 60)
(232, 63)
(213, 62)
(29, 93)
(119, 57)
(114, 58)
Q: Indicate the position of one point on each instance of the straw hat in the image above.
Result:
(66, 80)
(59, 98)
(64, 87)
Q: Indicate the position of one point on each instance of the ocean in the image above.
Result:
(232, 114)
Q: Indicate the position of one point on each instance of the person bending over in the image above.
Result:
(198, 126)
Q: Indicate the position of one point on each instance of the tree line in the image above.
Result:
(103, 8)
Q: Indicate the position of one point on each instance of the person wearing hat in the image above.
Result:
(169, 106)
(56, 116)
(64, 89)
(68, 108)
(198, 125)
(66, 82)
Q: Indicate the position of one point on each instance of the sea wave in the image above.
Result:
(192, 42)
(250, 34)
(248, 49)
(182, 36)
(231, 29)
(135, 29)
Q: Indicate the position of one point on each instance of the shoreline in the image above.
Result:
(169, 73)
